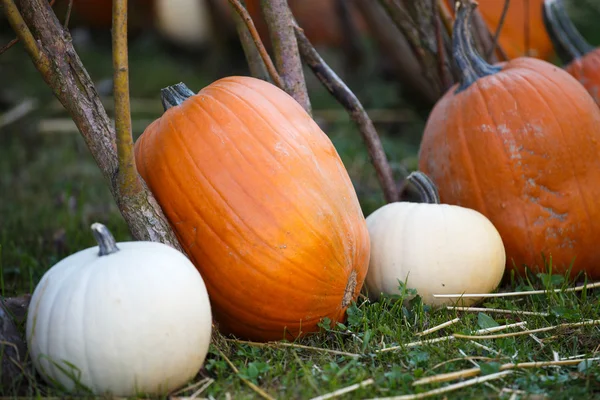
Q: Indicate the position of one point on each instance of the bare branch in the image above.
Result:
(499, 28)
(68, 16)
(251, 43)
(128, 180)
(279, 19)
(344, 95)
(52, 53)
(396, 48)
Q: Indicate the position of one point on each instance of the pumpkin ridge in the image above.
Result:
(500, 84)
(86, 308)
(564, 135)
(318, 237)
(472, 171)
(230, 301)
(327, 193)
(266, 254)
(324, 193)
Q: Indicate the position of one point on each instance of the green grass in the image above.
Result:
(51, 191)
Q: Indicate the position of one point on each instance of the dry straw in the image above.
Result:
(526, 293)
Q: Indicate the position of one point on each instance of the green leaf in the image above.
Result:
(485, 321)
(490, 368)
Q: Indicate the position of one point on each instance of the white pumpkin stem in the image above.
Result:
(105, 239)
(425, 186)
(172, 96)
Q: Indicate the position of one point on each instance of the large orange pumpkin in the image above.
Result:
(520, 143)
(580, 58)
(523, 32)
(261, 202)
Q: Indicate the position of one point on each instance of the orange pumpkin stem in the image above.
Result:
(567, 40)
(427, 190)
(172, 96)
(470, 65)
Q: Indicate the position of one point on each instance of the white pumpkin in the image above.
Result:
(120, 318)
(184, 22)
(434, 248)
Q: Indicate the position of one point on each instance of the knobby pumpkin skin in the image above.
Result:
(520, 144)
(580, 58)
(261, 202)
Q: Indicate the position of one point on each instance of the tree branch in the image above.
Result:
(128, 180)
(52, 52)
(257, 56)
(398, 51)
(279, 19)
(344, 95)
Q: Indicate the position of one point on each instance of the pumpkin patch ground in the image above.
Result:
(283, 217)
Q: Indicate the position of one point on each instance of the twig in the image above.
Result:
(469, 358)
(535, 338)
(438, 327)
(279, 20)
(52, 53)
(344, 95)
(256, 65)
(467, 373)
(451, 337)
(497, 310)
(9, 45)
(17, 112)
(527, 332)
(251, 385)
(484, 347)
(499, 28)
(345, 390)
(39, 58)
(16, 40)
(449, 388)
(189, 387)
(293, 345)
(128, 181)
(398, 52)
(68, 16)
(526, 293)
(441, 52)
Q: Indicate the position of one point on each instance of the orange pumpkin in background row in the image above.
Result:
(517, 36)
(581, 59)
(320, 19)
(262, 204)
(520, 143)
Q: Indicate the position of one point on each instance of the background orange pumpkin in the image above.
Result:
(520, 143)
(523, 32)
(261, 202)
(580, 58)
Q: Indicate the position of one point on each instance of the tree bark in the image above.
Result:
(280, 21)
(52, 52)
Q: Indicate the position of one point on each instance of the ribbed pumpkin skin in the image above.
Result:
(263, 205)
(522, 147)
(587, 71)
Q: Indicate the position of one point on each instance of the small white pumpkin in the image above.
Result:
(120, 318)
(434, 248)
